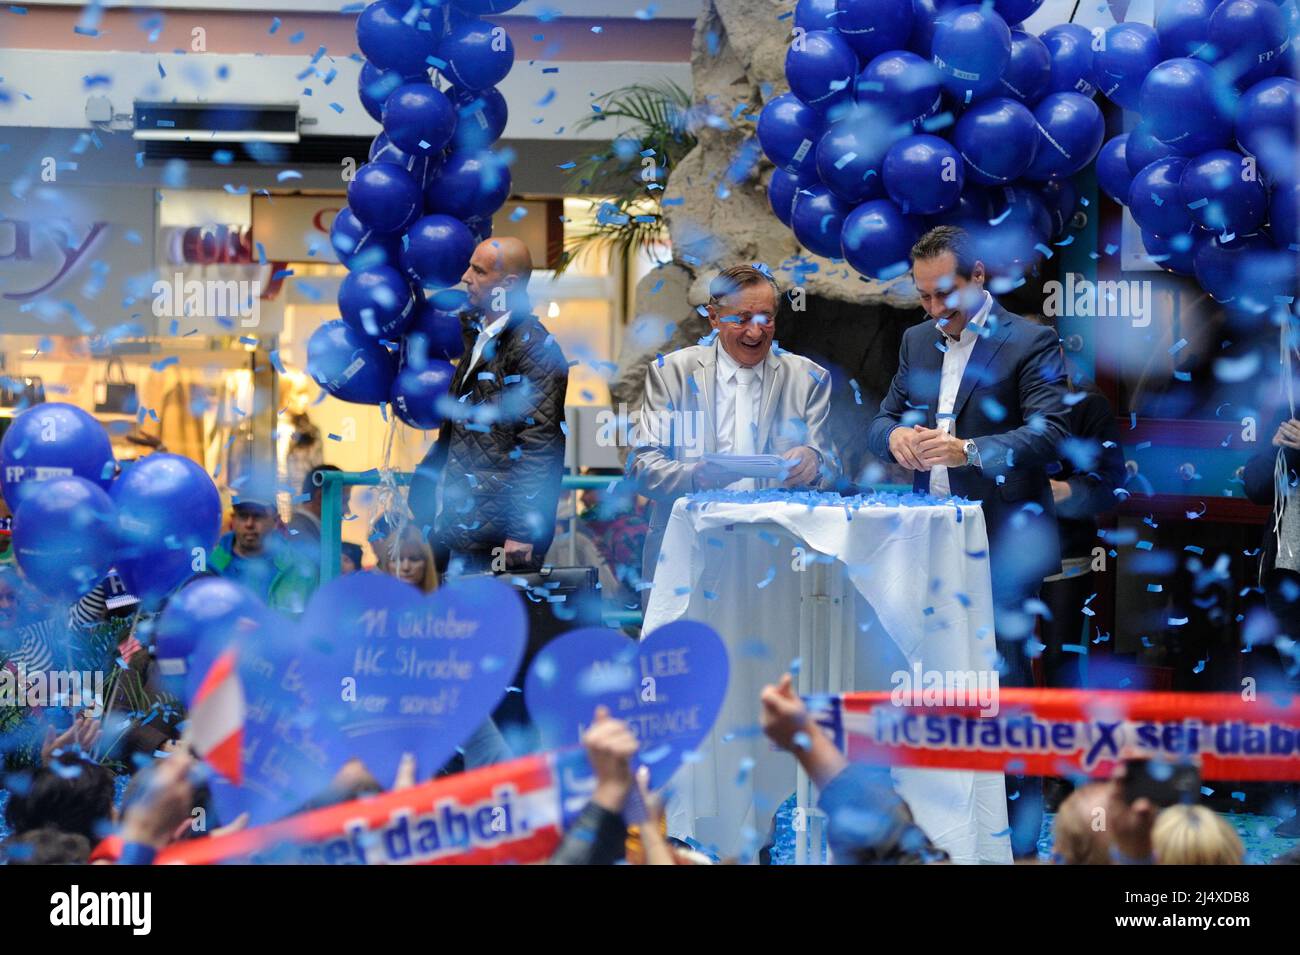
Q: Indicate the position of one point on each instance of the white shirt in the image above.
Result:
(955, 360)
(729, 425)
(725, 405)
(488, 333)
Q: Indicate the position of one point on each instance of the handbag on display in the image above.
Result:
(20, 392)
(115, 397)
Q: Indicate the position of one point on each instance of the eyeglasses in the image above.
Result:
(744, 318)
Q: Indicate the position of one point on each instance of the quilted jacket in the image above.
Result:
(501, 455)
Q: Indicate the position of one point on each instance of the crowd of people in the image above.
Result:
(985, 422)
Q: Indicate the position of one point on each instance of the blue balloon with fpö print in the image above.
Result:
(481, 117)
(1187, 106)
(469, 185)
(997, 139)
(435, 332)
(850, 155)
(901, 85)
(1070, 47)
(874, 26)
(1183, 26)
(669, 688)
(821, 69)
(781, 190)
(358, 247)
(1222, 193)
(438, 250)
(971, 48)
(349, 364)
(1029, 71)
(1266, 121)
(417, 389)
(816, 219)
(1071, 130)
(50, 441)
(419, 119)
(1248, 39)
(1123, 62)
(377, 302)
(374, 86)
(1155, 198)
(789, 130)
(200, 620)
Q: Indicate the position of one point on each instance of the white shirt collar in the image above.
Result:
(976, 321)
(495, 327)
(728, 366)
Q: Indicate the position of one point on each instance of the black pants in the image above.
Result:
(1063, 669)
(1024, 793)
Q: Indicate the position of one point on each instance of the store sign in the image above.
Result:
(208, 245)
(295, 228)
(74, 261)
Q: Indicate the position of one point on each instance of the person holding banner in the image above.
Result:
(735, 395)
(977, 409)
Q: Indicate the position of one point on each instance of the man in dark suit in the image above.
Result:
(490, 484)
(977, 409)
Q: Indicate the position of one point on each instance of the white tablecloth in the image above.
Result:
(917, 590)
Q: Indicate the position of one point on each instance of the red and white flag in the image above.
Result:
(216, 723)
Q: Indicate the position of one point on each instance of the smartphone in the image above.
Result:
(1164, 783)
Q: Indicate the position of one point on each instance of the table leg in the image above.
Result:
(821, 670)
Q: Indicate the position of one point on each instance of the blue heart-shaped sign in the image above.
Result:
(669, 688)
(391, 671)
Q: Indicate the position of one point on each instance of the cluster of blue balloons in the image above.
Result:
(906, 114)
(76, 517)
(1209, 172)
(420, 204)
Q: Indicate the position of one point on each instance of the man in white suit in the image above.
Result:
(734, 395)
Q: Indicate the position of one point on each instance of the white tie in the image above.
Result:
(744, 440)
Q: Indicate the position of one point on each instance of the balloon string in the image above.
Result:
(391, 501)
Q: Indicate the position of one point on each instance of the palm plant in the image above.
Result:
(662, 122)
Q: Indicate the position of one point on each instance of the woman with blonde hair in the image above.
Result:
(405, 554)
(1195, 835)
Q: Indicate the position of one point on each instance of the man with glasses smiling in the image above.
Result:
(734, 394)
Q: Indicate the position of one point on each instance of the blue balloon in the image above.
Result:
(1143, 148)
(1015, 11)
(810, 15)
(1061, 199)
(1155, 199)
(972, 211)
(1246, 272)
(781, 190)
(385, 197)
(480, 118)
(903, 85)
(971, 48)
(421, 168)
(417, 391)
(1123, 62)
(874, 26)
(997, 139)
(877, 238)
(419, 119)
(817, 217)
(1008, 249)
(375, 85)
(1177, 253)
(1249, 38)
(849, 156)
(821, 70)
(438, 249)
(436, 332)
(350, 365)
(1113, 174)
(167, 508)
(65, 536)
(1071, 130)
(1284, 216)
(392, 44)
(1070, 47)
(1183, 26)
(202, 619)
(1187, 106)
(1266, 125)
(923, 174)
(361, 248)
(50, 441)
(1220, 196)
(377, 302)
(789, 130)
(478, 54)
(469, 185)
(1029, 71)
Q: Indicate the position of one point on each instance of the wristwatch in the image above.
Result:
(972, 453)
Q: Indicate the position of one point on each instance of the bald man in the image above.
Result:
(490, 484)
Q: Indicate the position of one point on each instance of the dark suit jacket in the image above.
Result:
(1011, 402)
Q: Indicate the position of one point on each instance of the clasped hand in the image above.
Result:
(919, 449)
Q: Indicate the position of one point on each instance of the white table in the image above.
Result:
(856, 590)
